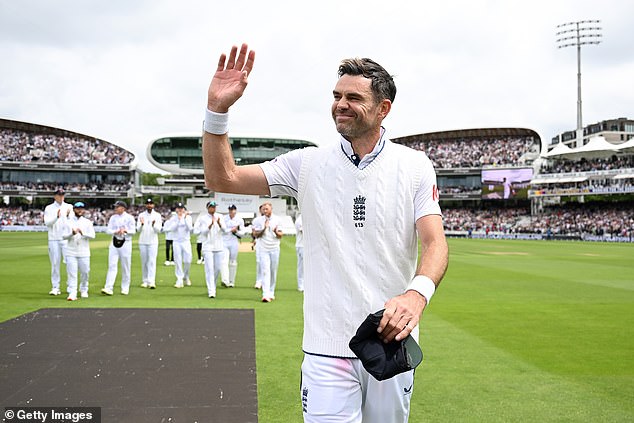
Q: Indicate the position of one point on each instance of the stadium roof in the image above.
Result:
(468, 133)
(596, 147)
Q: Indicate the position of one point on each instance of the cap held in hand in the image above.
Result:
(384, 360)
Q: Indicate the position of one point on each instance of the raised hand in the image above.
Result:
(230, 79)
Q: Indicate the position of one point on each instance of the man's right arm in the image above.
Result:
(226, 87)
(223, 175)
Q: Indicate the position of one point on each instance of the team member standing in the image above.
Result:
(121, 226)
(299, 249)
(233, 228)
(181, 226)
(169, 243)
(54, 215)
(258, 268)
(209, 226)
(78, 232)
(362, 259)
(149, 225)
(268, 232)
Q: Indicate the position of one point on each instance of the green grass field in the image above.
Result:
(520, 331)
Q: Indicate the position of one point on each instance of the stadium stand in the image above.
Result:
(36, 159)
(563, 197)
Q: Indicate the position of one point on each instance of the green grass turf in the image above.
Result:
(520, 331)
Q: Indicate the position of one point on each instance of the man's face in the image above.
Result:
(149, 207)
(59, 198)
(267, 209)
(119, 209)
(79, 211)
(232, 213)
(211, 209)
(354, 110)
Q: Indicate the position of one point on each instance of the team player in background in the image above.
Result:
(169, 243)
(78, 231)
(258, 268)
(181, 226)
(233, 228)
(366, 202)
(267, 230)
(54, 215)
(121, 227)
(210, 226)
(149, 225)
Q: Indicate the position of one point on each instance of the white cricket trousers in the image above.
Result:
(114, 255)
(213, 264)
(340, 390)
(182, 260)
(75, 265)
(229, 263)
(56, 253)
(148, 263)
(269, 261)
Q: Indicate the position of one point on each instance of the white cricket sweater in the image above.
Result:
(212, 239)
(360, 238)
(78, 244)
(150, 228)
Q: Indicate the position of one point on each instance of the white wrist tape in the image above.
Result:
(216, 123)
(424, 286)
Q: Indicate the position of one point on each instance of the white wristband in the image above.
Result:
(424, 286)
(216, 123)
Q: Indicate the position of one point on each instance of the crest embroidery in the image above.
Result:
(358, 211)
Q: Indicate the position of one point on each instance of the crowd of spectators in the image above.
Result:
(479, 152)
(614, 220)
(74, 187)
(20, 146)
(574, 219)
(588, 165)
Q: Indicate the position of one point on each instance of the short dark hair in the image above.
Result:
(382, 85)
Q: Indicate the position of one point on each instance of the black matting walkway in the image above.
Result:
(138, 365)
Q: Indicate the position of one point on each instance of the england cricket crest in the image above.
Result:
(358, 211)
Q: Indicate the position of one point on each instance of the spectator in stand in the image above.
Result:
(54, 219)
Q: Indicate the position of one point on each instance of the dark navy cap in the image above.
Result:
(382, 360)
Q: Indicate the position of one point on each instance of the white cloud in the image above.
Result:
(131, 71)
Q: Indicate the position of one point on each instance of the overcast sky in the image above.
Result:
(130, 71)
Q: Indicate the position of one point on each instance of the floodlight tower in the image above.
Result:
(577, 34)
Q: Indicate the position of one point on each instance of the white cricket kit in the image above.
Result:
(212, 247)
(268, 251)
(362, 255)
(148, 226)
(231, 243)
(181, 229)
(299, 249)
(123, 253)
(56, 241)
(78, 253)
